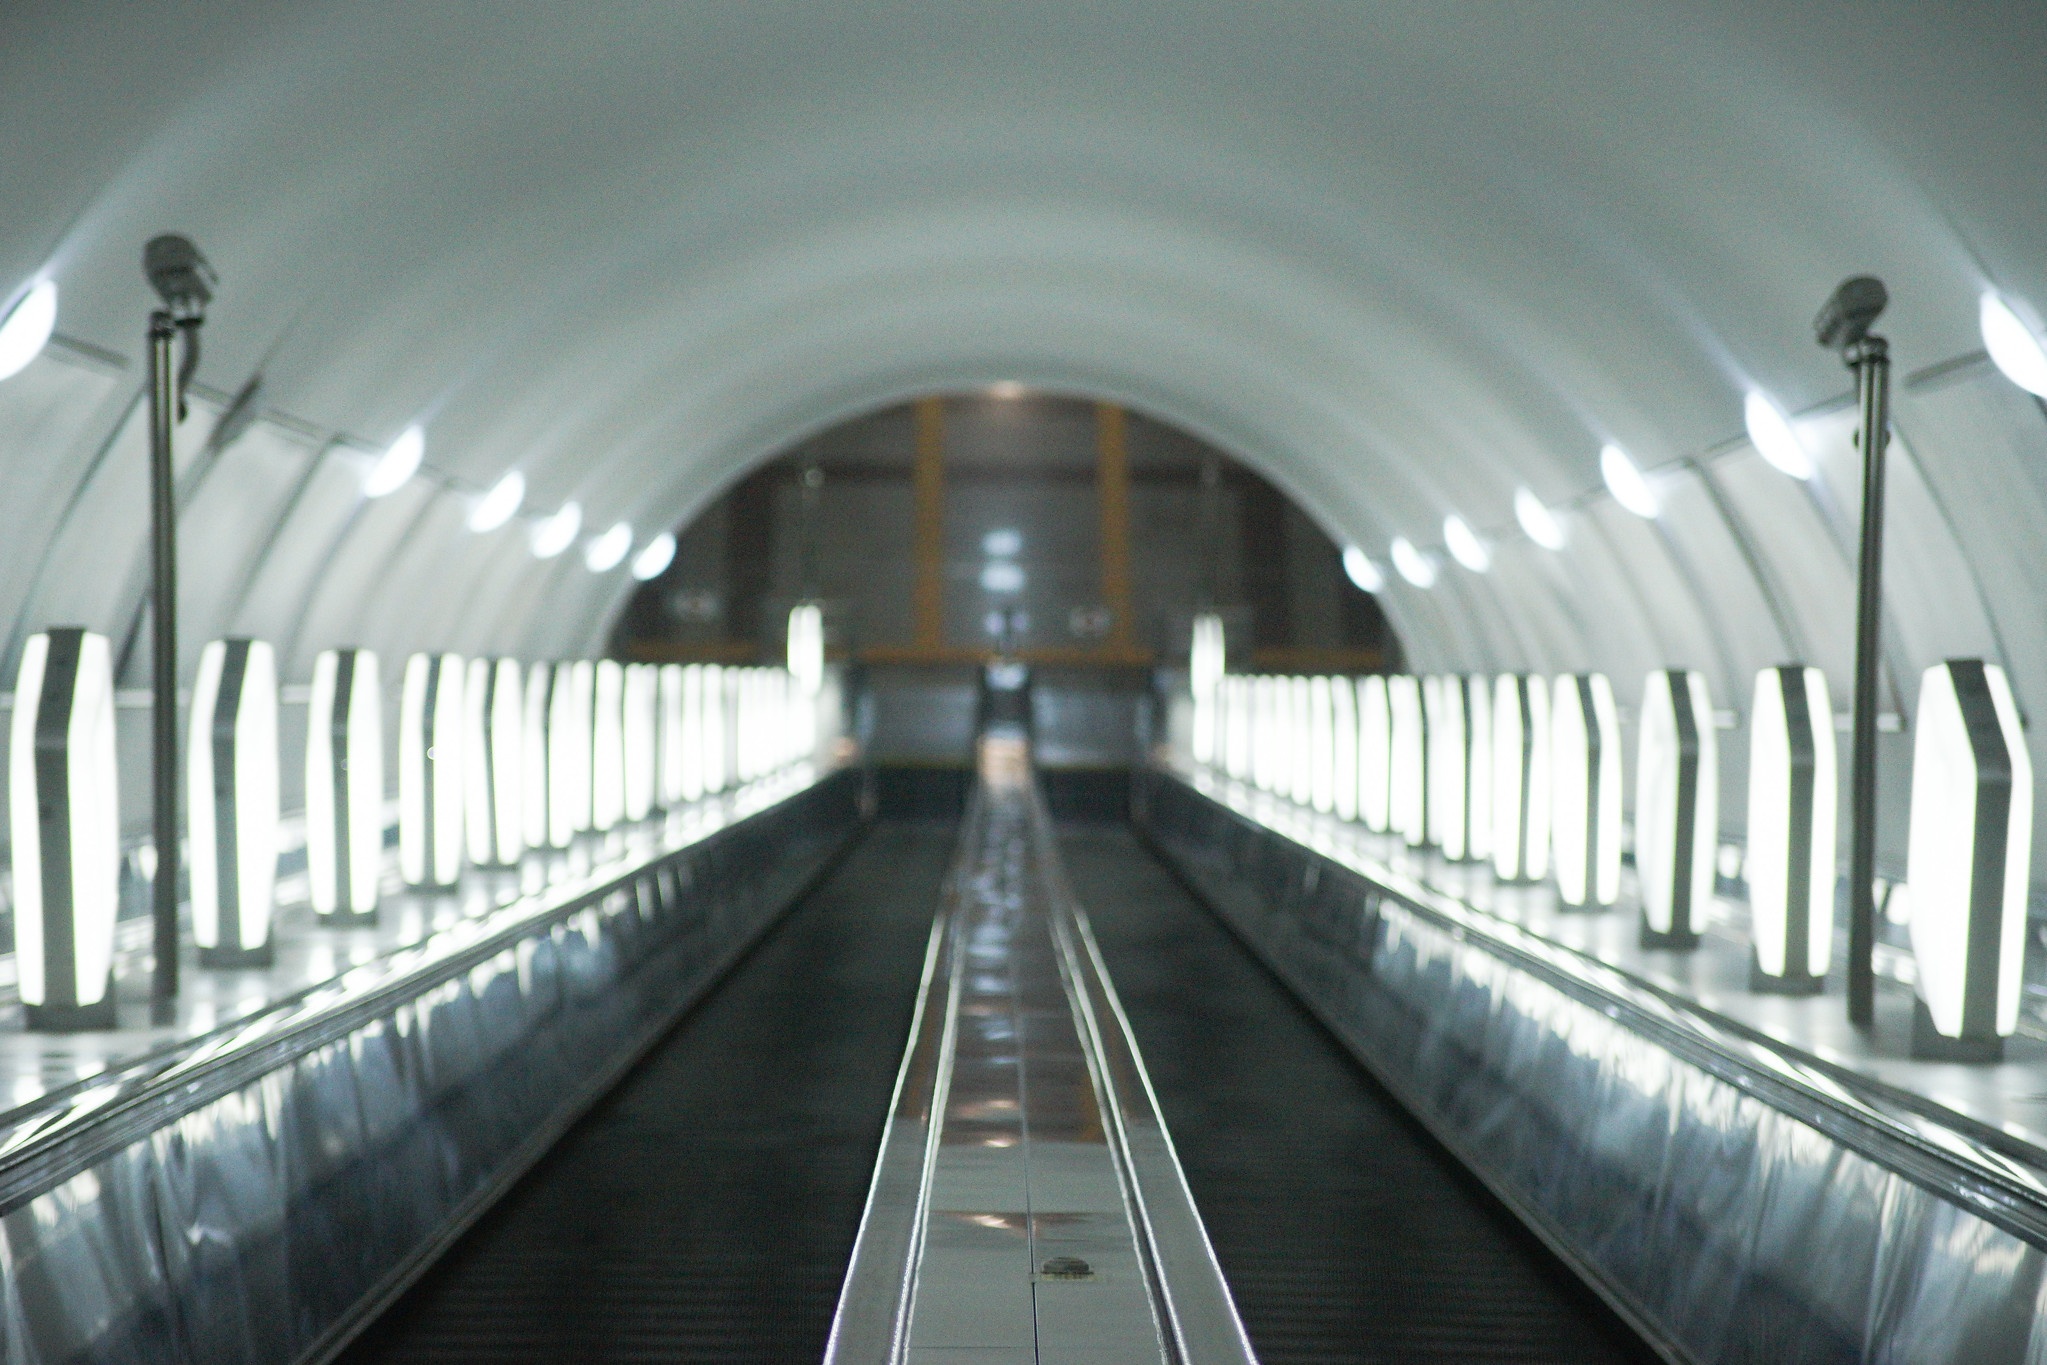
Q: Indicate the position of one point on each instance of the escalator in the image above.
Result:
(707, 1209)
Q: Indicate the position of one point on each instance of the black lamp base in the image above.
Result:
(1931, 1045)
(93, 1018)
(1791, 983)
(1675, 938)
(225, 958)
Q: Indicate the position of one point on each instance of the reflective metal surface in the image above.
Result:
(1027, 1204)
(1737, 1196)
(250, 1192)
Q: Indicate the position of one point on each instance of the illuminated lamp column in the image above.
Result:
(1321, 730)
(641, 727)
(1300, 786)
(1521, 778)
(1375, 754)
(1237, 729)
(693, 732)
(1343, 701)
(714, 726)
(1478, 767)
(232, 794)
(1408, 787)
(1261, 762)
(1443, 703)
(1204, 681)
(739, 725)
(607, 746)
(537, 766)
(494, 762)
(1793, 804)
(1969, 861)
(1278, 746)
(430, 815)
(735, 724)
(1585, 790)
(66, 824)
(1677, 807)
(345, 786)
(568, 738)
(673, 737)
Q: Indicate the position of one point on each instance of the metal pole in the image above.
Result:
(1871, 360)
(163, 545)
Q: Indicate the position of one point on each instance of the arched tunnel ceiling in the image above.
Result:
(1401, 257)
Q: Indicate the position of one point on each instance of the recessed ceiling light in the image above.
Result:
(658, 554)
(1002, 575)
(397, 464)
(1416, 567)
(1006, 389)
(1773, 436)
(1625, 482)
(1465, 546)
(1538, 521)
(496, 507)
(1360, 569)
(552, 535)
(609, 550)
(27, 328)
(2015, 347)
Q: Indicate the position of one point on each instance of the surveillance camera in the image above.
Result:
(1851, 312)
(179, 274)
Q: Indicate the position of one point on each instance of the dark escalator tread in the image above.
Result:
(1345, 1231)
(706, 1208)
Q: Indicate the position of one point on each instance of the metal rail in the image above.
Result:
(1027, 1204)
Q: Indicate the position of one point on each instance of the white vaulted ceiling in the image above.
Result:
(1401, 257)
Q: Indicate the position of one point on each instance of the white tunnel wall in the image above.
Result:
(278, 542)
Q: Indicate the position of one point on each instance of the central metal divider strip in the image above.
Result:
(1027, 1204)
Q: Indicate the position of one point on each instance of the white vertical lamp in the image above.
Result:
(715, 738)
(1585, 790)
(1205, 665)
(1521, 778)
(232, 794)
(537, 765)
(1443, 701)
(568, 739)
(431, 824)
(1408, 785)
(673, 736)
(1793, 805)
(693, 786)
(1237, 728)
(1375, 754)
(1343, 701)
(1322, 744)
(1677, 807)
(1970, 859)
(607, 746)
(1478, 767)
(65, 821)
(345, 786)
(494, 762)
(641, 727)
